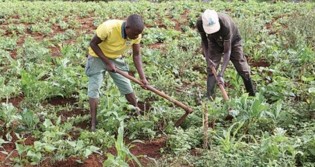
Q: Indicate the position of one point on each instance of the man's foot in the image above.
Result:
(93, 126)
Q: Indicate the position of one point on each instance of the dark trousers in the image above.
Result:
(239, 61)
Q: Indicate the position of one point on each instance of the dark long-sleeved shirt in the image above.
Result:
(228, 31)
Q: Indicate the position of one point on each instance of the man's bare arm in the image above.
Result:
(138, 62)
(94, 45)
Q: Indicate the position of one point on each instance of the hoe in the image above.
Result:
(162, 94)
(178, 103)
(224, 94)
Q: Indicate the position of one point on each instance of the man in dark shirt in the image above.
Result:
(220, 37)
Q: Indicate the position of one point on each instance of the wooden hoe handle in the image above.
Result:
(152, 89)
(225, 96)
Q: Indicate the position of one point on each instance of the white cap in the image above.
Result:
(210, 21)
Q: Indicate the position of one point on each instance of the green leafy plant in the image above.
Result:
(29, 119)
(99, 138)
(123, 153)
(278, 147)
(9, 118)
(229, 140)
(182, 141)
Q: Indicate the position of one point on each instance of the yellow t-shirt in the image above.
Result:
(114, 40)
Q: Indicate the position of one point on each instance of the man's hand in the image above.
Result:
(110, 67)
(144, 83)
(220, 80)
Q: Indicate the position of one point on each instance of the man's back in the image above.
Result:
(114, 40)
(228, 30)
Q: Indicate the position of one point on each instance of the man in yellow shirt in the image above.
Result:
(112, 39)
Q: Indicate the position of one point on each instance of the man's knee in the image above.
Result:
(130, 94)
(93, 93)
(94, 88)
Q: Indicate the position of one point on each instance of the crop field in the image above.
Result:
(44, 110)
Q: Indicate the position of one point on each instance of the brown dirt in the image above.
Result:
(157, 46)
(70, 162)
(29, 140)
(12, 153)
(9, 148)
(76, 112)
(65, 114)
(19, 43)
(144, 106)
(144, 151)
(183, 17)
(59, 100)
(258, 63)
(87, 26)
(148, 148)
(14, 100)
(83, 125)
(73, 113)
(159, 23)
(269, 25)
(196, 152)
(55, 51)
(94, 160)
(200, 69)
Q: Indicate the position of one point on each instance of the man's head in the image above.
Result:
(134, 26)
(210, 21)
